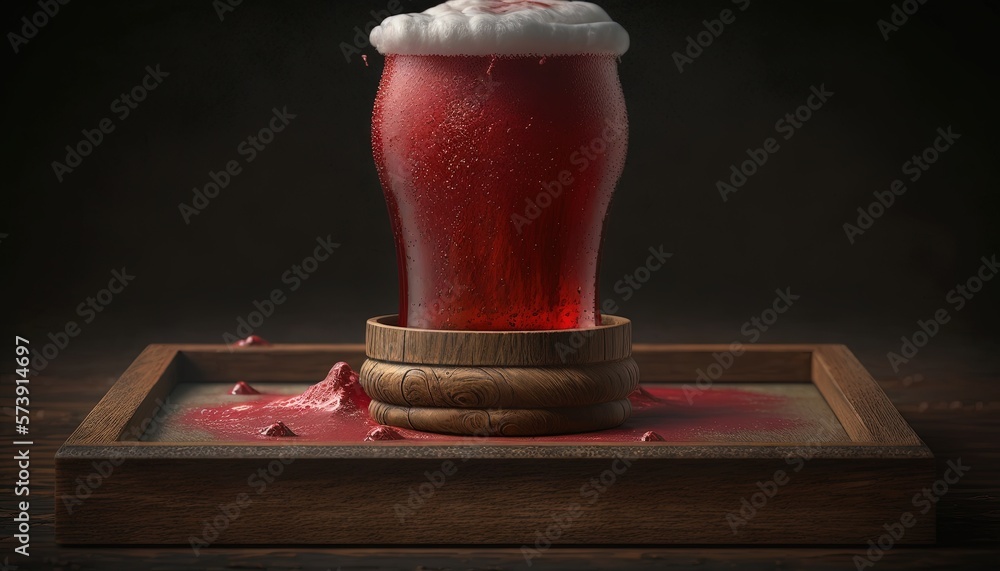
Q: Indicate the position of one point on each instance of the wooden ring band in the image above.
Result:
(385, 341)
(490, 387)
(504, 422)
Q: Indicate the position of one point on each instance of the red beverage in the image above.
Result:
(498, 172)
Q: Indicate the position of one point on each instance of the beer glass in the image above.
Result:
(498, 172)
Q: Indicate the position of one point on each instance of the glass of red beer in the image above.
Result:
(500, 133)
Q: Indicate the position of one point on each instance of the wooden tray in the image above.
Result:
(112, 486)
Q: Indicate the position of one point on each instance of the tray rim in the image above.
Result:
(875, 427)
(862, 483)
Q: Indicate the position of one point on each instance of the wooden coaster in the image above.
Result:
(504, 422)
(523, 383)
(495, 387)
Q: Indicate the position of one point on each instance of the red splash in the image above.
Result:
(642, 399)
(383, 433)
(253, 341)
(364, 58)
(278, 429)
(242, 388)
(340, 391)
(336, 410)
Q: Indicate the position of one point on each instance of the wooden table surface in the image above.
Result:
(953, 403)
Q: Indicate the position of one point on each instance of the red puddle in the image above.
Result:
(241, 388)
(278, 429)
(253, 341)
(336, 410)
(652, 437)
(383, 433)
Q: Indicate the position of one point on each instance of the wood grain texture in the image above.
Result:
(862, 407)
(669, 494)
(310, 363)
(135, 396)
(545, 382)
(493, 387)
(504, 422)
(302, 363)
(385, 341)
(750, 363)
(955, 408)
(493, 502)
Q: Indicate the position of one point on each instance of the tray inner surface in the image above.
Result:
(861, 464)
(727, 412)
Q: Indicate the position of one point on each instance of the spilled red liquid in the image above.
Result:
(383, 433)
(652, 437)
(279, 430)
(336, 410)
(253, 341)
(242, 388)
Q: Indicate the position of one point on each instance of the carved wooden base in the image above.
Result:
(528, 383)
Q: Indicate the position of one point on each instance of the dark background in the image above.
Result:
(782, 229)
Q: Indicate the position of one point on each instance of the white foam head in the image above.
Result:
(503, 27)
